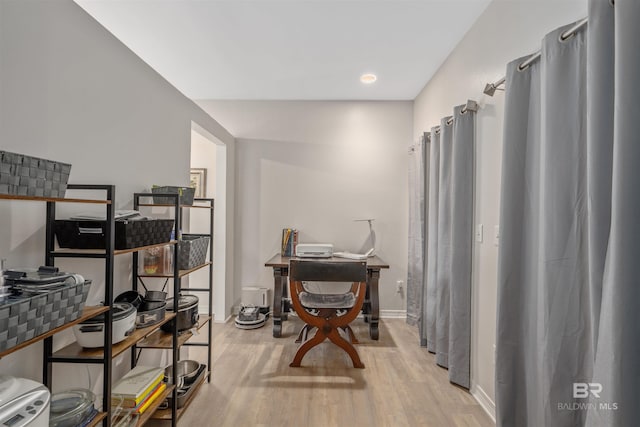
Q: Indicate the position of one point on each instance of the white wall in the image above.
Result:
(508, 29)
(317, 166)
(70, 91)
(203, 155)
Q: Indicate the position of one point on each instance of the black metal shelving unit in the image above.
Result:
(156, 341)
(108, 255)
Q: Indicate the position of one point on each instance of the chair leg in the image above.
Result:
(335, 337)
(304, 332)
(352, 336)
(306, 346)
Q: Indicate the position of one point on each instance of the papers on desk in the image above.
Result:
(351, 255)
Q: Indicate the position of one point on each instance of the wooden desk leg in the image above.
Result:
(279, 294)
(374, 302)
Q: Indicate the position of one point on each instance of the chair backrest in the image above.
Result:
(327, 271)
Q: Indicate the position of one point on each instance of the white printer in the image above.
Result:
(314, 250)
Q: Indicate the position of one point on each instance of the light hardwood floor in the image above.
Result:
(253, 385)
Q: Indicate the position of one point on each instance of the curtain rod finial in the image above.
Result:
(471, 105)
(489, 89)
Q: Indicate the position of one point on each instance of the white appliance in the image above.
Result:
(314, 250)
(90, 333)
(23, 402)
(257, 297)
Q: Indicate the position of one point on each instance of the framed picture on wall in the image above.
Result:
(199, 182)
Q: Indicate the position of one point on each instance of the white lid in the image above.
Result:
(8, 386)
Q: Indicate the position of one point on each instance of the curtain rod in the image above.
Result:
(471, 105)
(490, 88)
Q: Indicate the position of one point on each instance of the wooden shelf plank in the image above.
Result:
(75, 351)
(165, 414)
(173, 206)
(52, 199)
(87, 313)
(97, 419)
(164, 340)
(146, 415)
(181, 273)
(69, 251)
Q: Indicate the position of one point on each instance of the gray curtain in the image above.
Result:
(428, 320)
(462, 208)
(415, 271)
(618, 341)
(568, 291)
(443, 261)
(446, 318)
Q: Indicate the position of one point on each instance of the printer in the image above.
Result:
(314, 250)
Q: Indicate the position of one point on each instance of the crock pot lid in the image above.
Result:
(70, 403)
(8, 386)
(121, 310)
(184, 301)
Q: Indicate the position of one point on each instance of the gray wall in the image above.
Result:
(70, 91)
(508, 29)
(317, 166)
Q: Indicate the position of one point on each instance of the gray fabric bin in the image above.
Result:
(192, 250)
(186, 195)
(24, 175)
(25, 317)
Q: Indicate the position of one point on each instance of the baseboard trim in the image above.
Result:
(393, 314)
(484, 400)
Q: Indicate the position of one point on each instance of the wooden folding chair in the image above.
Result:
(329, 314)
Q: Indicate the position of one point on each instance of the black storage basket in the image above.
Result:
(192, 250)
(23, 175)
(84, 234)
(185, 195)
(26, 317)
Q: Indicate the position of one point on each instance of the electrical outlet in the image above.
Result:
(399, 284)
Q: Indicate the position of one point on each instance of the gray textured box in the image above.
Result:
(32, 176)
(28, 316)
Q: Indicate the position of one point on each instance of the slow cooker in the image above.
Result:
(187, 316)
(23, 402)
(90, 333)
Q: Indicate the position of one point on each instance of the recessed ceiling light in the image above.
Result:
(368, 78)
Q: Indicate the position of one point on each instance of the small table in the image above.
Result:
(370, 309)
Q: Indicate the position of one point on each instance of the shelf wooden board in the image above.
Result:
(146, 415)
(97, 419)
(165, 414)
(69, 251)
(52, 199)
(87, 313)
(75, 351)
(181, 273)
(164, 340)
(173, 206)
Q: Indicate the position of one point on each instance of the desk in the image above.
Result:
(371, 308)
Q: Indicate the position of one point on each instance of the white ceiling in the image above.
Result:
(290, 49)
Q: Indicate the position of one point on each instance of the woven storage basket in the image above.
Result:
(27, 317)
(186, 195)
(83, 234)
(192, 250)
(23, 175)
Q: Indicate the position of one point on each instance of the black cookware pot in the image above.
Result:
(187, 316)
